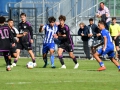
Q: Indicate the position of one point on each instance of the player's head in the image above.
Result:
(102, 5)
(101, 25)
(2, 19)
(81, 25)
(10, 22)
(62, 19)
(23, 17)
(51, 21)
(91, 21)
(113, 20)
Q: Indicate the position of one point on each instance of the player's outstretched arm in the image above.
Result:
(41, 28)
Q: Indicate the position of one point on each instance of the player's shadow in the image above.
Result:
(92, 70)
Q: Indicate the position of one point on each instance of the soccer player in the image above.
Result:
(26, 38)
(108, 47)
(48, 43)
(6, 38)
(14, 32)
(66, 42)
(115, 33)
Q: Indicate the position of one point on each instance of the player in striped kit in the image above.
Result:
(48, 43)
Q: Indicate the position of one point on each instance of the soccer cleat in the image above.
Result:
(14, 64)
(53, 67)
(45, 65)
(102, 68)
(76, 66)
(34, 64)
(8, 68)
(63, 67)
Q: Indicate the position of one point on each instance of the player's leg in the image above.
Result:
(7, 58)
(52, 49)
(17, 57)
(60, 52)
(96, 56)
(33, 57)
(45, 60)
(69, 49)
(74, 60)
(45, 51)
(111, 54)
(18, 49)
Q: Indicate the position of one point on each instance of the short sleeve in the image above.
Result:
(44, 26)
(103, 33)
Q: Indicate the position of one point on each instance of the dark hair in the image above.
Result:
(113, 18)
(91, 19)
(101, 22)
(102, 3)
(2, 19)
(51, 19)
(22, 14)
(9, 20)
(61, 17)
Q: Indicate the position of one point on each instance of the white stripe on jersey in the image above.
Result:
(49, 31)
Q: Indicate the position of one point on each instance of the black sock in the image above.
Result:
(45, 60)
(5, 58)
(61, 60)
(118, 52)
(75, 60)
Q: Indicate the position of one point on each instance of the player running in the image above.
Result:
(48, 43)
(108, 47)
(26, 38)
(6, 42)
(66, 42)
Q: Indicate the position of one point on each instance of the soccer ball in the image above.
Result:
(30, 65)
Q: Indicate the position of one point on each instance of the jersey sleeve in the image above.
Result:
(104, 33)
(31, 31)
(16, 31)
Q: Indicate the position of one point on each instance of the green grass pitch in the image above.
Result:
(84, 78)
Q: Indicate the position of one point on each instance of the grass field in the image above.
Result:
(84, 78)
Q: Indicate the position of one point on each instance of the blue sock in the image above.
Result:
(101, 64)
(118, 67)
(52, 60)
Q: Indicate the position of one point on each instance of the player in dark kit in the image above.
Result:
(6, 42)
(26, 40)
(66, 42)
(15, 33)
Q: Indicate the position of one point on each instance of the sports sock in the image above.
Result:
(101, 64)
(118, 67)
(75, 60)
(33, 60)
(45, 60)
(52, 60)
(61, 60)
(15, 60)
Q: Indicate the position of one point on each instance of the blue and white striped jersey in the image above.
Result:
(49, 31)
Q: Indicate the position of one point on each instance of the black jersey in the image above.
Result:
(25, 27)
(65, 31)
(6, 38)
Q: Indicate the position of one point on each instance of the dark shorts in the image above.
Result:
(26, 46)
(66, 47)
(13, 50)
(116, 41)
